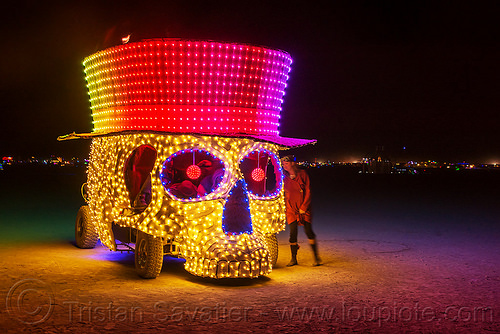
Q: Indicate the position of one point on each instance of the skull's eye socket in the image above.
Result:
(192, 174)
(137, 174)
(262, 173)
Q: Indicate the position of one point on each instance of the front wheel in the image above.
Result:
(148, 255)
(85, 232)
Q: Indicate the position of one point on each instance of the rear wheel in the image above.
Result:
(272, 245)
(148, 255)
(85, 232)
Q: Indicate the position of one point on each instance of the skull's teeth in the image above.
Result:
(224, 269)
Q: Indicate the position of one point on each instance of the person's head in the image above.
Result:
(288, 163)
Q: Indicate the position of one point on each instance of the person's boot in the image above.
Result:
(317, 260)
(293, 261)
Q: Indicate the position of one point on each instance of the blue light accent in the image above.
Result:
(236, 216)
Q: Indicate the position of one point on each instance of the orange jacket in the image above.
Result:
(297, 197)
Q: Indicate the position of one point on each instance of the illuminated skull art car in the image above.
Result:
(184, 156)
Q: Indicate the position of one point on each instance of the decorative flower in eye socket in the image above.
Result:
(258, 174)
(193, 172)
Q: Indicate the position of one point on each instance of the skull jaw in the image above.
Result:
(232, 258)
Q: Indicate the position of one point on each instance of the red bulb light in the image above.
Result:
(258, 174)
(193, 172)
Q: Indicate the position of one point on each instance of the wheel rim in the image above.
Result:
(79, 228)
(142, 254)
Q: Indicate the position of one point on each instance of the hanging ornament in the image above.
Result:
(193, 171)
(258, 174)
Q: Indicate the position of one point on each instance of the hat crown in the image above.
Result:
(187, 86)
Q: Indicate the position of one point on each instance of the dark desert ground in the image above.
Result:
(401, 253)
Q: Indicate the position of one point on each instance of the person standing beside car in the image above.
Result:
(298, 207)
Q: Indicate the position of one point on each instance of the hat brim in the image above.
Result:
(284, 142)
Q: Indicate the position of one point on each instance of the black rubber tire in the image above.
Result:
(272, 245)
(85, 232)
(148, 255)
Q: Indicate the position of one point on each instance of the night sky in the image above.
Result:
(420, 78)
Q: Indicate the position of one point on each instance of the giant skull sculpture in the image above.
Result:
(184, 155)
(213, 241)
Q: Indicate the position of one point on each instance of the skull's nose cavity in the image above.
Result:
(236, 217)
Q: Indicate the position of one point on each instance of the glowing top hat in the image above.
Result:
(189, 86)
